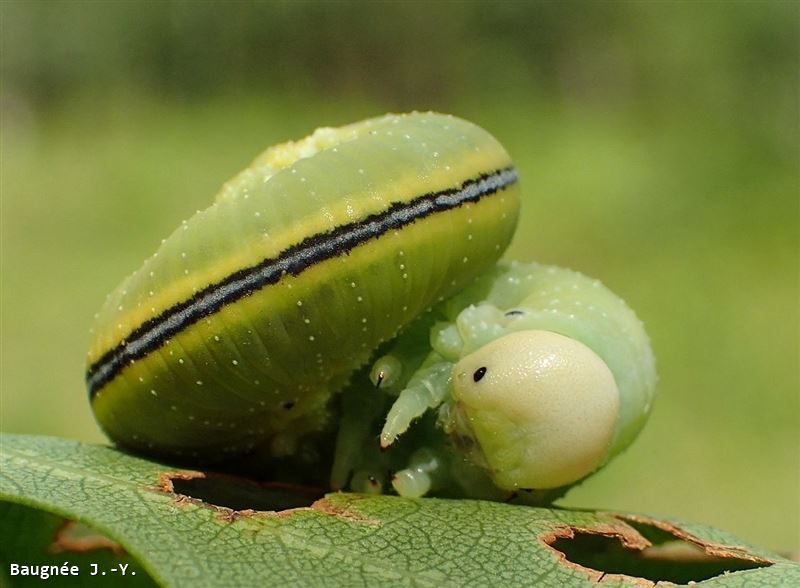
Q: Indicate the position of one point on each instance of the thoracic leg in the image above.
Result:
(426, 390)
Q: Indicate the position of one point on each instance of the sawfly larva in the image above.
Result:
(247, 332)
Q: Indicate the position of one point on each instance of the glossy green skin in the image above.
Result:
(258, 376)
(438, 455)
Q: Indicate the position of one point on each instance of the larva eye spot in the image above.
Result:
(544, 416)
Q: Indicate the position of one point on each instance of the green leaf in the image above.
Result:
(37, 538)
(341, 539)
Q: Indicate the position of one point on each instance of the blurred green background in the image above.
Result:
(658, 144)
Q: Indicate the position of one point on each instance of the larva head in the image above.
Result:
(542, 407)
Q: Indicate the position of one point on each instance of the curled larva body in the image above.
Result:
(531, 378)
(234, 336)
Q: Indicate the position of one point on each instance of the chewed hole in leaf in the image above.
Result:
(661, 557)
(239, 494)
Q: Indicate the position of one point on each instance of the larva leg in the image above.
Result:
(387, 371)
(361, 408)
(391, 371)
(367, 482)
(425, 468)
(426, 389)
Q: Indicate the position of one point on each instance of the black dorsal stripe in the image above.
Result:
(153, 333)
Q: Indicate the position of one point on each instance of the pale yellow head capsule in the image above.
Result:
(542, 407)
